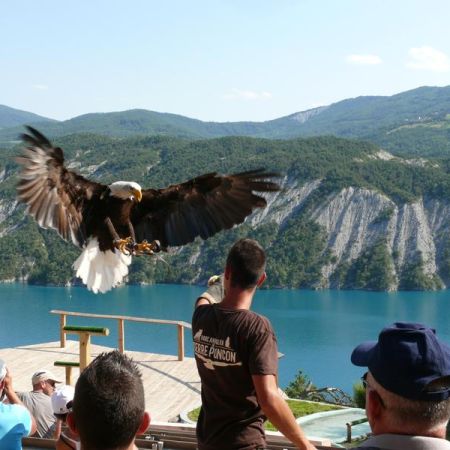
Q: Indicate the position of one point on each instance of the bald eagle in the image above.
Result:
(110, 223)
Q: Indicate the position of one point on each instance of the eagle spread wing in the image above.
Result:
(56, 197)
(104, 220)
(199, 207)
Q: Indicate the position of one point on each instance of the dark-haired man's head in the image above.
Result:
(246, 264)
(108, 407)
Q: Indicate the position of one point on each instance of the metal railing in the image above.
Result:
(349, 426)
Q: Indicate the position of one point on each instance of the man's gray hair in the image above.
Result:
(429, 414)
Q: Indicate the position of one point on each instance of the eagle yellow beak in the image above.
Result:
(137, 194)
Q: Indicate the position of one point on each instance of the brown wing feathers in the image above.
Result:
(58, 198)
(45, 187)
(201, 207)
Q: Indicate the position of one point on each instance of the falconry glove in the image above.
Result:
(215, 291)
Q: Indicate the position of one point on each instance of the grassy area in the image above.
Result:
(299, 408)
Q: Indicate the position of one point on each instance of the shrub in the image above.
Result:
(359, 395)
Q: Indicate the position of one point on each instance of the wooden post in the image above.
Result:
(121, 336)
(68, 365)
(85, 341)
(85, 350)
(68, 375)
(180, 342)
(349, 432)
(62, 335)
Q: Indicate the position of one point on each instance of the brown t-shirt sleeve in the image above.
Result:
(263, 357)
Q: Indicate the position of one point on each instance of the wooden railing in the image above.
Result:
(121, 327)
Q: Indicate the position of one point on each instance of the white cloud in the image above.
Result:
(428, 58)
(364, 60)
(40, 87)
(238, 94)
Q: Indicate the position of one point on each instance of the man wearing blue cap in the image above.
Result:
(407, 388)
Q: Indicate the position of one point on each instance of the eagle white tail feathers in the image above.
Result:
(101, 271)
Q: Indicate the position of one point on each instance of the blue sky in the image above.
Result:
(217, 60)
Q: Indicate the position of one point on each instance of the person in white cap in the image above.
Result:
(39, 403)
(62, 400)
(15, 420)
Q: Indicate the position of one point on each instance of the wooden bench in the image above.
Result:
(85, 334)
(68, 365)
(179, 440)
(183, 436)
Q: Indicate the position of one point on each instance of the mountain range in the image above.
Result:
(351, 214)
(415, 122)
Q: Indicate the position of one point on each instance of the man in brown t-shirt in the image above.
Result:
(236, 354)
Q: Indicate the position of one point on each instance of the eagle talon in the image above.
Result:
(147, 248)
(126, 246)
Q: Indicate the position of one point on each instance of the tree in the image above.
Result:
(300, 387)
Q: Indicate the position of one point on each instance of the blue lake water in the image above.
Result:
(316, 330)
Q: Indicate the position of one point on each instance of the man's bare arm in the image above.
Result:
(278, 411)
(201, 301)
(14, 399)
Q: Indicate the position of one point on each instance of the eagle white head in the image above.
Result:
(126, 190)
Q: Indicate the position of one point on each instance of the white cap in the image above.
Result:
(61, 397)
(43, 375)
(2, 369)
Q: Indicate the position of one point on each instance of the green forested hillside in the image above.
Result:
(428, 138)
(415, 122)
(365, 116)
(11, 117)
(297, 248)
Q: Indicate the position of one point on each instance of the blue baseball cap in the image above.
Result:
(406, 359)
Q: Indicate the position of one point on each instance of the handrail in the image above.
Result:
(181, 325)
(349, 426)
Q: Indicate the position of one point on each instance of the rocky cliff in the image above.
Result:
(355, 220)
(354, 223)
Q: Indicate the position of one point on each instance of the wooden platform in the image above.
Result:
(171, 386)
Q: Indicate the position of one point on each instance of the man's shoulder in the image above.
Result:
(40, 395)
(17, 411)
(262, 321)
(23, 395)
(254, 322)
(216, 308)
(34, 396)
(251, 319)
(202, 310)
(403, 441)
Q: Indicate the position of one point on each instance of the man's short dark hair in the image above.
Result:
(247, 262)
(109, 403)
